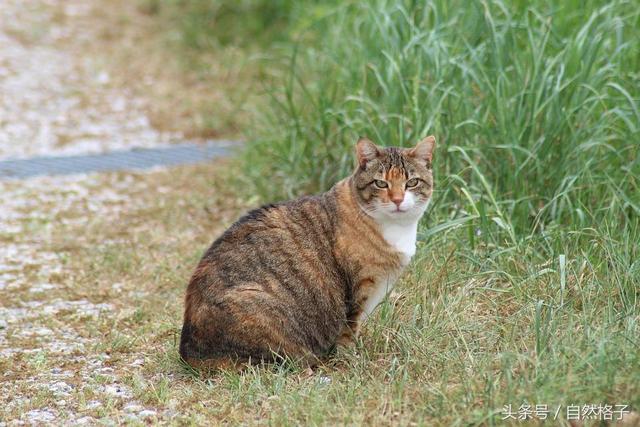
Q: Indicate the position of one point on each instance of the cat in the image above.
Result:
(297, 279)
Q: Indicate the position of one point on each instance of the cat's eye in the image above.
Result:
(380, 184)
(412, 182)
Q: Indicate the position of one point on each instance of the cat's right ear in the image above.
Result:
(366, 151)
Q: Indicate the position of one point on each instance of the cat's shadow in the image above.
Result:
(338, 358)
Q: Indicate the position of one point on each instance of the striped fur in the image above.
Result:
(297, 278)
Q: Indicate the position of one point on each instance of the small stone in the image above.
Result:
(42, 288)
(137, 362)
(40, 416)
(103, 78)
(60, 388)
(147, 413)
(132, 407)
(93, 404)
(324, 380)
(132, 418)
(42, 332)
(116, 390)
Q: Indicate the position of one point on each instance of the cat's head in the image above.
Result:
(394, 183)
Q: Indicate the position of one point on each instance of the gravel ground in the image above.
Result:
(55, 100)
(47, 352)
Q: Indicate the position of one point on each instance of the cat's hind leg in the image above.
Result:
(232, 337)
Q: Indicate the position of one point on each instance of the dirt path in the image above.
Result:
(42, 316)
(55, 98)
(66, 354)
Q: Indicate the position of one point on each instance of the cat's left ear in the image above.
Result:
(423, 151)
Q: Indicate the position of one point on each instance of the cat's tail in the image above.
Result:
(225, 335)
(204, 359)
(196, 358)
(217, 364)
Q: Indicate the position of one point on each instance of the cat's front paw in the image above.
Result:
(347, 338)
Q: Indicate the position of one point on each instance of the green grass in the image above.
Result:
(526, 284)
(203, 25)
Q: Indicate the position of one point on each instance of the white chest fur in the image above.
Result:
(402, 237)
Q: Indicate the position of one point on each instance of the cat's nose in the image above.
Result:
(397, 199)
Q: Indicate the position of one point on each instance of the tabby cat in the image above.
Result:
(297, 278)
